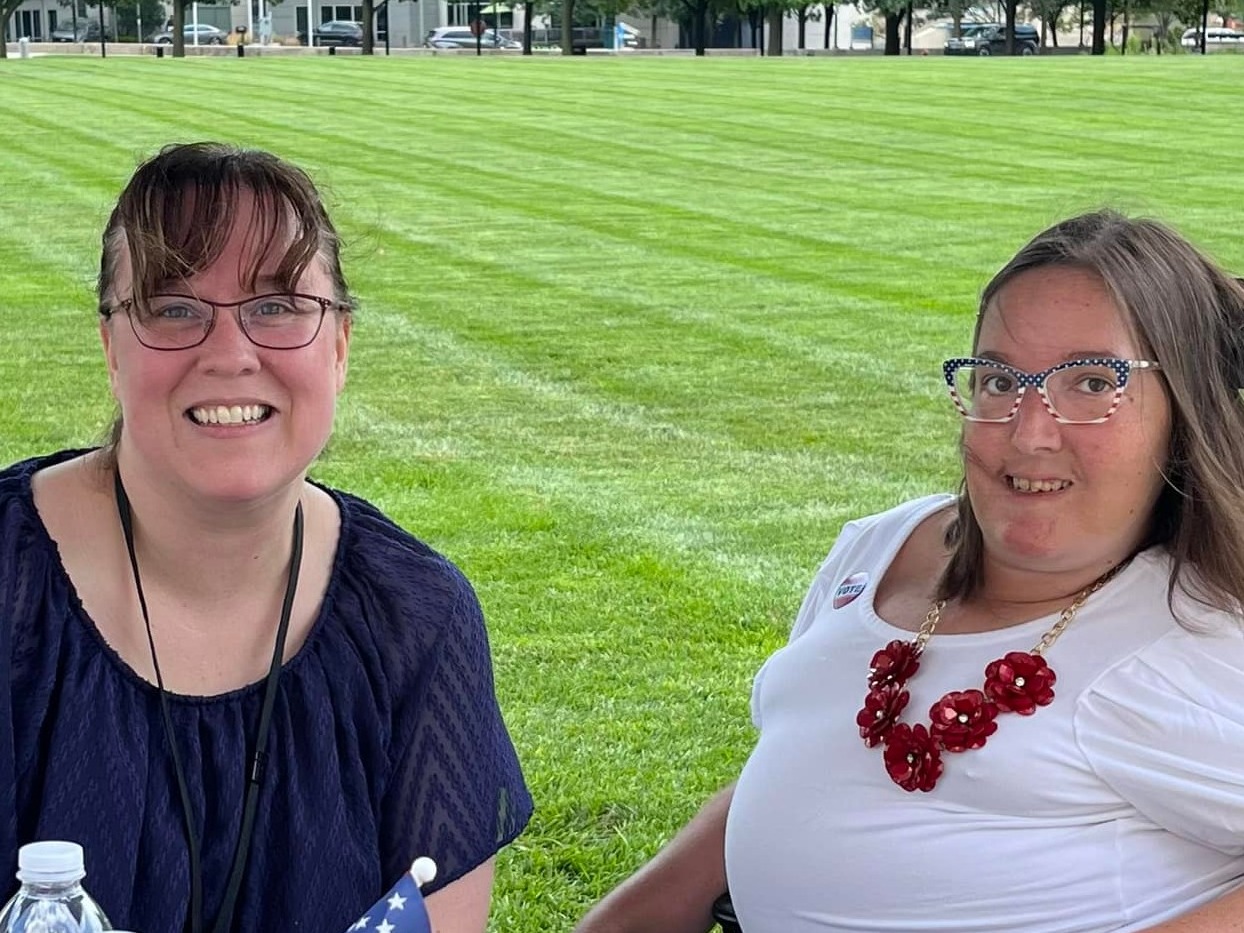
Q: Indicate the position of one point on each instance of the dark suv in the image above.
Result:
(990, 39)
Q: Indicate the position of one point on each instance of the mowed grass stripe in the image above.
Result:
(636, 437)
(631, 314)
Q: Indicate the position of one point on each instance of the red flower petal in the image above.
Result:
(1020, 682)
(912, 758)
(962, 720)
(882, 707)
(894, 664)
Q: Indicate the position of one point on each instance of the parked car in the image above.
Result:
(86, 31)
(208, 35)
(1215, 35)
(336, 32)
(460, 37)
(990, 39)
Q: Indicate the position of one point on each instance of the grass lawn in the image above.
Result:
(636, 337)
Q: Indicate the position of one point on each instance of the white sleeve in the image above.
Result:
(1165, 730)
(823, 584)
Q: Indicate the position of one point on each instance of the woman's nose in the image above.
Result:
(227, 348)
(1034, 426)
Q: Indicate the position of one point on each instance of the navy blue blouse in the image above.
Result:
(386, 743)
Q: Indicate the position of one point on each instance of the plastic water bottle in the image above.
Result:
(51, 898)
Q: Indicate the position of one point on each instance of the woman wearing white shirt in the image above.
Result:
(1019, 709)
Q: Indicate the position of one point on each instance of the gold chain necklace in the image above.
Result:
(1018, 682)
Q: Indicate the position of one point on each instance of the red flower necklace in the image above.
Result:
(1018, 682)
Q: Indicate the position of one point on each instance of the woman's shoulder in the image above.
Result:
(886, 531)
(390, 577)
(906, 514)
(1164, 726)
(1177, 655)
(15, 479)
(18, 516)
(33, 587)
(379, 543)
(864, 548)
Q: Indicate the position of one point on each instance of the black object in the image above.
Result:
(723, 913)
(246, 832)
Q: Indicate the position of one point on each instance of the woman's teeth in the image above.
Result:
(1019, 484)
(225, 414)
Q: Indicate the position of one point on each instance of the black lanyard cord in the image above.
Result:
(254, 776)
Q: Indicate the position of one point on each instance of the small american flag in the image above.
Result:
(399, 911)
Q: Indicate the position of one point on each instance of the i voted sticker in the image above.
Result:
(850, 588)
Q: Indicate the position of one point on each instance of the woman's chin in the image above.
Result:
(1028, 543)
(242, 488)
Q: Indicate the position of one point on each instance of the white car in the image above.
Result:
(207, 35)
(461, 37)
(1215, 35)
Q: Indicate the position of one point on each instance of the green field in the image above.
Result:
(636, 337)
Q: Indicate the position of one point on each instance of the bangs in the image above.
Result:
(177, 214)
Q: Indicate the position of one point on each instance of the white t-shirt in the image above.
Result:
(1116, 807)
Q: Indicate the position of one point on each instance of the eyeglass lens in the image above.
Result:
(1079, 393)
(274, 321)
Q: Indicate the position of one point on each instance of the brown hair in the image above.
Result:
(1188, 314)
(175, 216)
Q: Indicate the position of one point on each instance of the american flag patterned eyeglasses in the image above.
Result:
(1086, 391)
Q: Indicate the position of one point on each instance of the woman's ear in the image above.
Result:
(343, 349)
(110, 355)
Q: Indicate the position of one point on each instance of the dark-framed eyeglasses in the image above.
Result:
(280, 321)
(1084, 391)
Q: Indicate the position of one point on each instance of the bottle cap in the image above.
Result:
(49, 862)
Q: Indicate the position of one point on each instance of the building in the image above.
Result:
(403, 22)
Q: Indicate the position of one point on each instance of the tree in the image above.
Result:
(775, 13)
(7, 9)
(369, 26)
(567, 27)
(895, 12)
(1050, 12)
(1166, 13)
(586, 12)
(179, 28)
(693, 17)
(698, 11)
(656, 10)
(698, 18)
(955, 10)
(135, 17)
(1099, 27)
(829, 21)
(801, 15)
(1163, 30)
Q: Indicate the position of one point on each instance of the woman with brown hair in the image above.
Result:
(254, 700)
(1019, 709)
